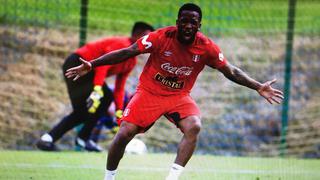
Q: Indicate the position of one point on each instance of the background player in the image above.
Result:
(90, 96)
(108, 121)
(177, 55)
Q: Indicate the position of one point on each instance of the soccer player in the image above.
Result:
(90, 96)
(108, 121)
(177, 55)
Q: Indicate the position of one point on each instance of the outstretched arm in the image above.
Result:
(110, 58)
(265, 90)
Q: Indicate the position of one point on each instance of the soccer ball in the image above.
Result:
(136, 146)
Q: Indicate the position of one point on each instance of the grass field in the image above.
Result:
(222, 16)
(35, 165)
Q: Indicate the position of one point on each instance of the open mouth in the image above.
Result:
(187, 35)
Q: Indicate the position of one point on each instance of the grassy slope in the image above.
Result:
(117, 17)
(31, 84)
(70, 165)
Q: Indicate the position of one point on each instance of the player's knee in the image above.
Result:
(121, 139)
(193, 128)
(125, 135)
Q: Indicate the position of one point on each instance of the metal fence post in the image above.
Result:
(83, 22)
(287, 75)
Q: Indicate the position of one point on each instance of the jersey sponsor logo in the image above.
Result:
(184, 70)
(146, 43)
(221, 57)
(171, 82)
(195, 58)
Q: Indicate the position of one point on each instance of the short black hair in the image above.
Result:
(190, 7)
(141, 26)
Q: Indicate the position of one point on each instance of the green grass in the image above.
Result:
(219, 17)
(36, 165)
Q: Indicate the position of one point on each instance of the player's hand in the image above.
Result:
(118, 113)
(269, 93)
(115, 129)
(93, 100)
(80, 70)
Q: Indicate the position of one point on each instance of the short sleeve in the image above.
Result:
(216, 58)
(148, 43)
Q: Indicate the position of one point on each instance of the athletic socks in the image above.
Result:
(46, 137)
(175, 172)
(110, 175)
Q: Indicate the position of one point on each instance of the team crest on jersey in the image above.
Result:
(196, 58)
(167, 53)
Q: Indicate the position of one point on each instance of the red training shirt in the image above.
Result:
(172, 67)
(122, 70)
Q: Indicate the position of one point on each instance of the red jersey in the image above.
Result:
(172, 67)
(96, 49)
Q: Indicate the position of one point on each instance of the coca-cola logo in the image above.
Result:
(177, 70)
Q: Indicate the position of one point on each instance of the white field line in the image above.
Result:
(160, 169)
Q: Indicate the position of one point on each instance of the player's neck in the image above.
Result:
(132, 40)
(184, 43)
